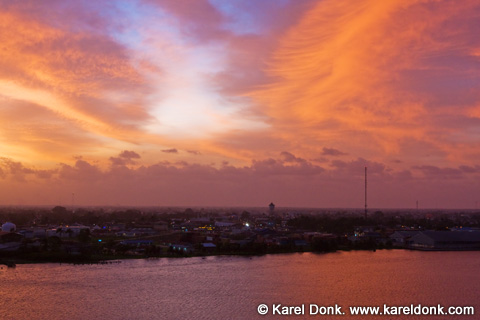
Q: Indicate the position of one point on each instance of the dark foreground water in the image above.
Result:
(232, 287)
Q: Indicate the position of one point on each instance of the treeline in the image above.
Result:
(60, 215)
(346, 224)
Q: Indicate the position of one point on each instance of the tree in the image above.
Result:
(245, 216)
(59, 210)
(57, 215)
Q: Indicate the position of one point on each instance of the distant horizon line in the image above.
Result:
(282, 208)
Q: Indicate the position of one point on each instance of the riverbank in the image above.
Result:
(61, 257)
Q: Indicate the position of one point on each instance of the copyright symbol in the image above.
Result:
(262, 309)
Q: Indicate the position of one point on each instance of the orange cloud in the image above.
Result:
(370, 76)
(79, 80)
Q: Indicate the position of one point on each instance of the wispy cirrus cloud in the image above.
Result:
(353, 76)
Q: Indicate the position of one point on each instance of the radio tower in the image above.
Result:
(365, 193)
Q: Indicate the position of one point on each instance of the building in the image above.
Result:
(160, 226)
(182, 248)
(137, 242)
(402, 238)
(446, 240)
(208, 247)
(9, 227)
(10, 241)
(271, 206)
(66, 231)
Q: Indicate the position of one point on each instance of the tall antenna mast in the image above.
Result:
(365, 193)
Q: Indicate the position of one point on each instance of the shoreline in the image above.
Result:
(11, 262)
(78, 259)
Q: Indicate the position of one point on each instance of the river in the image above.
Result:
(231, 287)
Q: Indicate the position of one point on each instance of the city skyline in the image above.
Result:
(240, 103)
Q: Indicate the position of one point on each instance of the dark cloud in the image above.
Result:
(404, 175)
(124, 158)
(45, 174)
(118, 161)
(15, 168)
(288, 178)
(437, 172)
(19, 172)
(173, 150)
(289, 157)
(129, 155)
(338, 164)
(82, 171)
(320, 160)
(357, 168)
(287, 165)
(469, 169)
(332, 152)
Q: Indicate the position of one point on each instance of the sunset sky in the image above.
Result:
(240, 103)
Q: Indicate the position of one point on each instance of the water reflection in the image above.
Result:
(231, 287)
